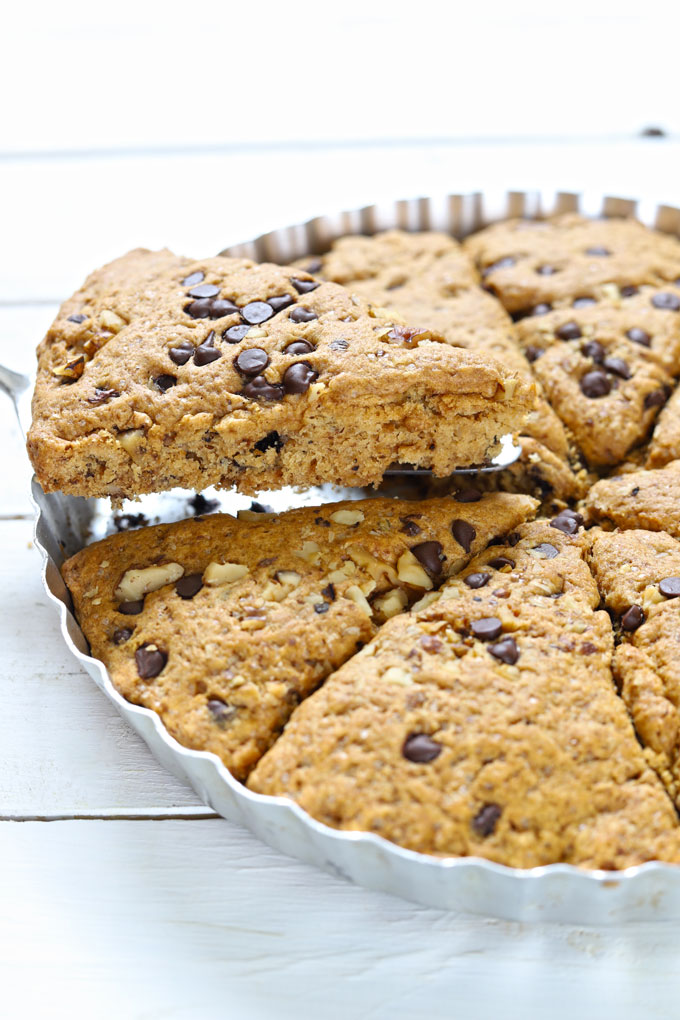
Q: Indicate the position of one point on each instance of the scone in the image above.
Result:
(535, 265)
(162, 372)
(223, 625)
(485, 724)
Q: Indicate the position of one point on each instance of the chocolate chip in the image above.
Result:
(541, 309)
(329, 592)
(205, 290)
(670, 587)
(512, 539)
(484, 822)
(657, 398)
(272, 441)
(195, 278)
(235, 334)
(189, 585)
(634, 491)
(304, 286)
(633, 618)
(597, 249)
(468, 495)
(321, 607)
(339, 345)
(595, 384)
(475, 581)
(583, 302)
(569, 331)
(181, 354)
(220, 710)
(431, 644)
(502, 561)
(548, 551)
(218, 309)
(262, 508)
(639, 336)
(588, 648)
(301, 314)
(200, 505)
(77, 318)
(257, 311)
(299, 377)
(280, 302)
(667, 301)
(532, 353)
(207, 352)
(409, 527)
(314, 266)
(199, 309)
(420, 748)
(546, 270)
(506, 651)
(102, 396)
(617, 366)
(260, 389)
(628, 291)
(165, 382)
(593, 349)
(251, 361)
(463, 533)
(150, 661)
(122, 635)
(487, 629)
(568, 523)
(429, 554)
(297, 347)
(124, 522)
(131, 608)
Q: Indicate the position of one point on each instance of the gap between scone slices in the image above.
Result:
(161, 372)
(485, 724)
(223, 625)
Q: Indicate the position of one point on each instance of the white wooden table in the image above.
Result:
(121, 895)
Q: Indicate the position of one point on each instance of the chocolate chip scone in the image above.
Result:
(162, 372)
(638, 499)
(485, 724)
(532, 266)
(427, 277)
(638, 573)
(222, 625)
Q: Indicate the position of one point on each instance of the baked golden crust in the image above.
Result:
(181, 373)
(222, 625)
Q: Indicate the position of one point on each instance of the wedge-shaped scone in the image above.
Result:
(427, 277)
(222, 625)
(485, 724)
(162, 372)
(638, 499)
(535, 265)
(638, 573)
(608, 393)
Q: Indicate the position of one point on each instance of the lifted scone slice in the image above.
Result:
(163, 373)
(223, 625)
(639, 577)
(486, 724)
